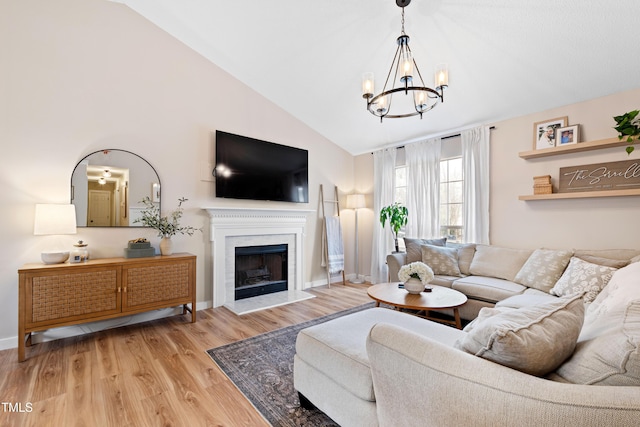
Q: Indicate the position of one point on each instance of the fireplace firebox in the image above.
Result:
(260, 270)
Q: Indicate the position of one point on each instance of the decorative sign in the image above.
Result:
(623, 175)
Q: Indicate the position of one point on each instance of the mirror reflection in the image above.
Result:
(108, 185)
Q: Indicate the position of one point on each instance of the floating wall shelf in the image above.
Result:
(573, 148)
(577, 148)
(581, 195)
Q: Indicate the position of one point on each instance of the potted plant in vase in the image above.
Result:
(628, 127)
(397, 216)
(166, 226)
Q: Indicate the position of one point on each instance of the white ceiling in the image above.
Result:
(506, 58)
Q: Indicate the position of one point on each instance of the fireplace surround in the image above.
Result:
(244, 227)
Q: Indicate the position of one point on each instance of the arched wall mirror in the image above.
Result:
(108, 185)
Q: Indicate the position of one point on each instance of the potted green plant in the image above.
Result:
(628, 127)
(397, 215)
(166, 226)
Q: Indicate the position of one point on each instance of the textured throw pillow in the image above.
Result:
(534, 340)
(543, 269)
(494, 261)
(414, 252)
(443, 261)
(608, 350)
(583, 277)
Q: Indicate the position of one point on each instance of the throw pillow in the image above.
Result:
(465, 255)
(583, 277)
(543, 269)
(534, 340)
(495, 261)
(414, 252)
(608, 350)
(443, 261)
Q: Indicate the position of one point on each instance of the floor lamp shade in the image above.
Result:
(356, 201)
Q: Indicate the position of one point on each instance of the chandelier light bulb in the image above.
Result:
(367, 85)
(442, 76)
(407, 67)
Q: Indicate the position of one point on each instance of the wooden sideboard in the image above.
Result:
(68, 294)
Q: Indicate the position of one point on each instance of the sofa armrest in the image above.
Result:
(420, 382)
(394, 262)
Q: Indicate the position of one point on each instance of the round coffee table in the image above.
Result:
(440, 298)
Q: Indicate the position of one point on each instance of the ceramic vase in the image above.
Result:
(414, 286)
(166, 246)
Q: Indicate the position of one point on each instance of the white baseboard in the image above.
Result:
(85, 328)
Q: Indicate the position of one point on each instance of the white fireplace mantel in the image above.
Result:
(228, 225)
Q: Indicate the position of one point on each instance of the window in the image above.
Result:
(451, 199)
(451, 194)
(401, 185)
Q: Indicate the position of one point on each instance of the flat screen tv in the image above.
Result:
(248, 168)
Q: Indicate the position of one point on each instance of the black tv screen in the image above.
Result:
(248, 168)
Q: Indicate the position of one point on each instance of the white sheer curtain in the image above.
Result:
(475, 166)
(384, 174)
(423, 188)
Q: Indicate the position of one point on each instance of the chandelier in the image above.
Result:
(419, 98)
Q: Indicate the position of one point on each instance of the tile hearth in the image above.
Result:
(262, 302)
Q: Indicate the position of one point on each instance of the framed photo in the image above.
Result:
(567, 135)
(544, 133)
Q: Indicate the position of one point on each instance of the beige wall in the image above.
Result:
(597, 223)
(82, 75)
(581, 223)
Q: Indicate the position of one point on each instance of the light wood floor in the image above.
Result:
(151, 374)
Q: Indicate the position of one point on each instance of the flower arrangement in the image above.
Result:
(416, 270)
(166, 226)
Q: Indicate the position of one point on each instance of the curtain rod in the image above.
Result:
(443, 137)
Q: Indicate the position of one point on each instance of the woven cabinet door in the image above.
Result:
(157, 285)
(67, 296)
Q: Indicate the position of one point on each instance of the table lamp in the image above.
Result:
(52, 219)
(356, 201)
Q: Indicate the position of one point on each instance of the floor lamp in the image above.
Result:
(355, 202)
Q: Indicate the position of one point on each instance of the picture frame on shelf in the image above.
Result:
(567, 135)
(544, 132)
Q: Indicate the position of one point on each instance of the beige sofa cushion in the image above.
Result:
(495, 261)
(442, 260)
(414, 250)
(487, 289)
(583, 277)
(534, 339)
(337, 348)
(615, 263)
(608, 346)
(543, 268)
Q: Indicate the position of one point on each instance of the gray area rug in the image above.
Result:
(262, 368)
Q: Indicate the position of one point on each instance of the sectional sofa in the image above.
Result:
(554, 341)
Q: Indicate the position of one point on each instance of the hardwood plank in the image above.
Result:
(153, 373)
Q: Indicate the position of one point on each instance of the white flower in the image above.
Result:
(417, 270)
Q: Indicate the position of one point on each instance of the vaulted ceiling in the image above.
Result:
(506, 58)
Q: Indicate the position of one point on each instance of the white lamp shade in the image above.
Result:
(54, 219)
(355, 201)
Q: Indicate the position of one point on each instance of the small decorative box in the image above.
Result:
(140, 243)
(139, 253)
